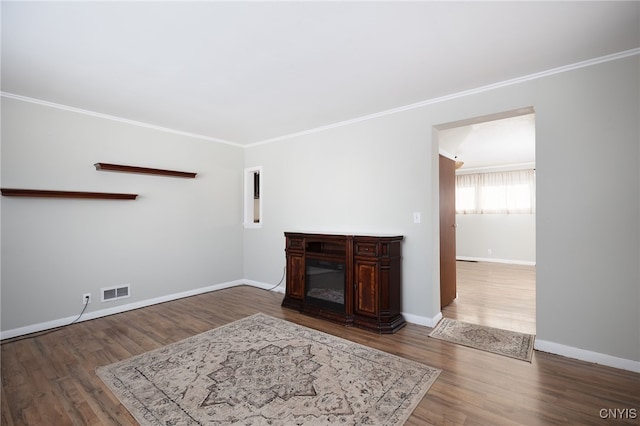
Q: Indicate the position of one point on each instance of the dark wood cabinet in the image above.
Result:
(295, 268)
(351, 279)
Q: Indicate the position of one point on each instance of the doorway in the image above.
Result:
(494, 277)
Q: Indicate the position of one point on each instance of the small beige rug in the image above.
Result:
(502, 342)
(266, 371)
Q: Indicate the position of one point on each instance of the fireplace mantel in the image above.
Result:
(370, 266)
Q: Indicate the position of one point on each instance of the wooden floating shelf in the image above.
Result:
(144, 170)
(11, 192)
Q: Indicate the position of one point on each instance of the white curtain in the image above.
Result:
(498, 192)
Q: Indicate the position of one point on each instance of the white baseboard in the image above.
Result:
(114, 310)
(487, 259)
(589, 356)
(34, 328)
(265, 286)
(419, 320)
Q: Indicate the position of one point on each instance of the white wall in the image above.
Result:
(370, 176)
(180, 235)
(350, 180)
(588, 239)
(510, 238)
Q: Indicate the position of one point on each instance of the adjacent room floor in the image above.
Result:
(496, 295)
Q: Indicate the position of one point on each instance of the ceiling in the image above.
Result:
(492, 142)
(250, 72)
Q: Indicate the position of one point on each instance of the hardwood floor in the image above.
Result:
(50, 379)
(496, 295)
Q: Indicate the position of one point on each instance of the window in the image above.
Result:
(252, 197)
(501, 192)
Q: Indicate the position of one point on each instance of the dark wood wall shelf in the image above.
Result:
(11, 192)
(144, 170)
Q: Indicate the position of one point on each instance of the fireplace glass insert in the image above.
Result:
(325, 282)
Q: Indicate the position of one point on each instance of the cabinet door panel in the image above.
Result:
(366, 297)
(295, 276)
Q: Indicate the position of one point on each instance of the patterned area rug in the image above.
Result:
(265, 371)
(502, 342)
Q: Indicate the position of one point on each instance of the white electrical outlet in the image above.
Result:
(85, 297)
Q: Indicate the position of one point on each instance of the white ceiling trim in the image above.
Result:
(500, 168)
(115, 118)
(421, 104)
(427, 102)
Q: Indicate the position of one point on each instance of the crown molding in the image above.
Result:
(500, 168)
(553, 71)
(114, 118)
(470, 92)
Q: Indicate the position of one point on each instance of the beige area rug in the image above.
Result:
(266, 371)
(502, 342)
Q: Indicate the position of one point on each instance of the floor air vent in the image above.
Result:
(115, 293)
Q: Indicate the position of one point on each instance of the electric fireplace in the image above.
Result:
(325, 283)
(353, 280)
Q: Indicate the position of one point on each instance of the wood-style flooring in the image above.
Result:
(496, 295)
(50, 379)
